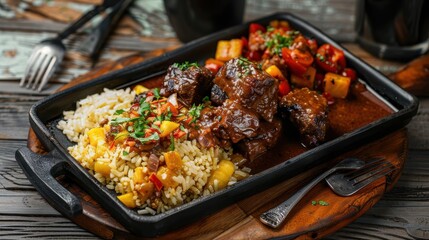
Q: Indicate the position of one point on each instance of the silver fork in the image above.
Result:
(348, 183)
(49, 53)
(275, 216)
(344, 184)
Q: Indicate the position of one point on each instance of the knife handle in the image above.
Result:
(41, 170)
(85, 18)
(96, 40)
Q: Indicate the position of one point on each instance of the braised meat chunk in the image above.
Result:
(267, 137)
(236, 122)
(230, 122)
(308, 112)
(191, 82)
(217, 96)
(245, 82)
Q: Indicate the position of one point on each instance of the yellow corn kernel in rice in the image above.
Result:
(95, 136)
(166, 175)
(167, 127)
(127, 199)
(221, 176)
(102, 168)
(140, 89)
(139, 175)
(173, 160)
(145, 190)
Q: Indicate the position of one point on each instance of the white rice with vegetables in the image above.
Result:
(183, 170)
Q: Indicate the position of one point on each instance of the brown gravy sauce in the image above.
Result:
(345, 115)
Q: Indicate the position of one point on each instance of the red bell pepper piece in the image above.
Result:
(154, 179)
(254, 27)
(253, 55)
(297, 60)
(330, 58)
(178, 133)
(213, 65)
(245, 42)
(284, 88)
(351, 73)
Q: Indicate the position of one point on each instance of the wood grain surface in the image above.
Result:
(399, 214)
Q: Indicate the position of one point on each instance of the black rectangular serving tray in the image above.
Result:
(42, 169)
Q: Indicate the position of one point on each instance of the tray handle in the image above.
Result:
(41, 171)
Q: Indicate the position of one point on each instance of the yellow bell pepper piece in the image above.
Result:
(173, 160)
(96, 136)
(102, 167)
(100, 149)
(221, 176)
(337, 85)
(138, 89)
(138, 176)
(167, 127)
(275, 72)
(277, 24)
(127, 199)
(145, 191)
(227, 50)
(165, 175)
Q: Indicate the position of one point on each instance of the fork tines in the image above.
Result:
(40, 67)
(373, 170)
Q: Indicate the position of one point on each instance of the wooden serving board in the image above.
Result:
(241, 220)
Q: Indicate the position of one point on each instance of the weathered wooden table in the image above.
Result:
(403, 213)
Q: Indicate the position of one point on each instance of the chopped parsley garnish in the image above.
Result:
(195, 112)
(117, 121)
(119, 112)
(172, 145)
(144, 108)
(140, 126)
(320, 57)
(153, 137)
(206, 99)
(245, 64)
(125, 153)
(156, 93)
(242, 61)
(277, 42)
(320, 202)
(185, 65)
(167, 117)
(155, 127)
(294, 33)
